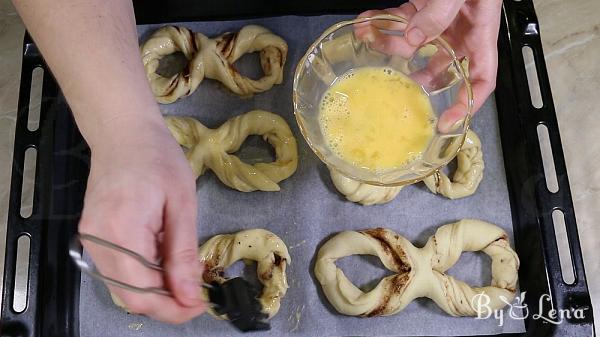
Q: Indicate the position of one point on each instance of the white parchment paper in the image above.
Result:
(308, 210)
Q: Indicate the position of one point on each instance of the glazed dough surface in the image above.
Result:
(212, 58)
(465, 181)
(212, 148)
(363, 193)
(420, 272)
(262, 246)
(468, 174)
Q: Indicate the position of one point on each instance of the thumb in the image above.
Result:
(180, 249)
(432, 18)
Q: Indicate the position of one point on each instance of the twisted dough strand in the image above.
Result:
(365, 194)
(262, 246)
(212, 58)
(165, 41)
(386, 298)
(465, 181)
(212, 148)
(468, 174)
(420, 272)
(455, 297)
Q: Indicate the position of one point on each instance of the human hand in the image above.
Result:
(470, 27)
(141, 194)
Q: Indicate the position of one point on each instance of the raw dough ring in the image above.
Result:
(213, 58)
(165, 41)
(420, 271)
(468, 175)
(212, 148)
(262, 246)
(465, 181)
(363, 193)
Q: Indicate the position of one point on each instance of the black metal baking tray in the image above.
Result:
(63, 166)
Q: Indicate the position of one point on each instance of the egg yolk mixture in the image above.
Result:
(376, 118)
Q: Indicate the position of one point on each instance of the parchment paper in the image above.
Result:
(308, 210)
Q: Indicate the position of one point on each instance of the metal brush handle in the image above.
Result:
(75, 251)
(245, 318)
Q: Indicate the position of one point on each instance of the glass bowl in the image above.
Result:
(370, 42)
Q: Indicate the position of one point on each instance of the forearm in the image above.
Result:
(92, 49)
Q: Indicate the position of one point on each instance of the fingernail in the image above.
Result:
(444, 125)
(416, 37)
(191, 289)
(447, 125)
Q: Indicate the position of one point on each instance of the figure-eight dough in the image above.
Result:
(212, 148)
(262, 246)
(466, 178)
(212, 58)
(420, 272)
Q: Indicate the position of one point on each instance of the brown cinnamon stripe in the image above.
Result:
(277, 263)
(267, 275)
(195, 45)
(395, 287)
(226, 43)
(396, 253)
(213, 274)
(277, 260)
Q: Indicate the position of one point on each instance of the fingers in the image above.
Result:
(482, 76)
(125, 269)
(132, 217)
(449, 118)
(391, 45)
(385, 42)
(180, 247)
(426, 21)
(431, 19)
(403, 11)
(366, 31)
(435, 73)
(159, 307)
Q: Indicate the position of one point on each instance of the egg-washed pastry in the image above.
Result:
(212, 149)
(262, 246)
(420, 272)
(212, 58)
(118, 302)
(468, 174)
(363, 193)
(464, 182)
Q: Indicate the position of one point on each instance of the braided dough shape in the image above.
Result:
(420, 271)
(262, 246)
(465, 181)
(213, 58)
(212, 148)
(363, 193)
(468, 175)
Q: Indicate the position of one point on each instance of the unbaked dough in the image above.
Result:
(212, 148)
(363, 193)
(212, 58)
(262, 246)
(420, 272)
(465, 180)
(468, 174)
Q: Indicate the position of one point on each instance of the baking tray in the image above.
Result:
(309, 209)
(63, 165)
